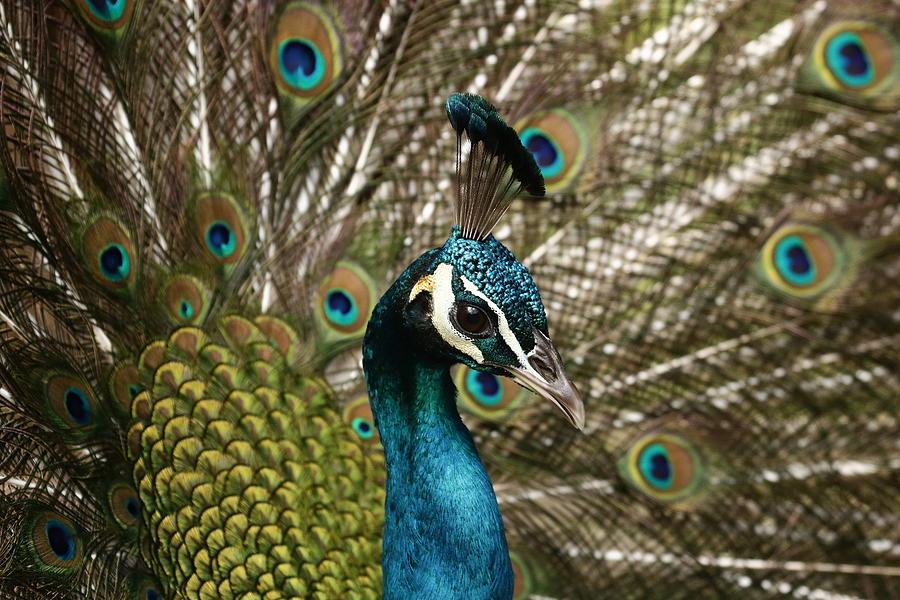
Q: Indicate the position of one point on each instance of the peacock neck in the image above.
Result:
(443, 535)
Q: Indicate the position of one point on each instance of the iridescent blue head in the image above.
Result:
(471, 300)
(474, 303)
(489, 273)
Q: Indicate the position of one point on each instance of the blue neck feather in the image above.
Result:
(443, 537)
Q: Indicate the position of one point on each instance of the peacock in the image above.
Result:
(271, 327)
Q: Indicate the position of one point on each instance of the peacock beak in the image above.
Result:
(544, 376)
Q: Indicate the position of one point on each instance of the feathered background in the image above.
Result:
(717, 254)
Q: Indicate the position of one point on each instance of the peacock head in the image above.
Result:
(471, 300)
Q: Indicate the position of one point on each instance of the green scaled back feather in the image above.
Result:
(288, 500)
(201, 200)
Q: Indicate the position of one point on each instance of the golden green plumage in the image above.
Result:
(252, 485)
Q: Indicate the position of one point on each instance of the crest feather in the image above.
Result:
(498, 166)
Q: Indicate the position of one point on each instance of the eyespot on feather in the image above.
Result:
(807, 263)
(124, 505)
(358, 415)
(345, 301)
(523, 578)
(221, 227)
(185, 300)
(666, 467)
(488, 396)
(557, 140)
(146, 590)
(856, 62)
(306, 54)
(124, 385)
(107, 16)
(109, 253)
(54, 543)
(71, 402)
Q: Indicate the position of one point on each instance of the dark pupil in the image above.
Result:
(799, 260)
(112, 260)
(364, 427)
(185, 308)
(471, 318)
(133, 391)
(59, 540)
(489, 384)
(101, 6)
(298, 56)
(152, 594)
(661, 468)
(75, 406)
(856, 61)
(133, 508)
(219, 236)
(543, 150)
(338, 301)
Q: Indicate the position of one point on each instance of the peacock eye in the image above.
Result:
(472, 319)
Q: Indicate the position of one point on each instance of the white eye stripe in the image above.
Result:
(503, 325)
(442, 303)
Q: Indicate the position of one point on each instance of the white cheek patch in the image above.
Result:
(442, 301)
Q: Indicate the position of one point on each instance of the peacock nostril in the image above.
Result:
(545, 370)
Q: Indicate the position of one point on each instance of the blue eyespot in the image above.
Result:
(221, 228)
(108, 10)
(546, 153)
(665, 466)
(184, 297)
(133, 390)
(302, 64)
(363, 428)
(148, 592)
(109, 253)
(358, 415)
(848, 60)
(61, 539)
(71, 401)
(54, 542)
(340, 308)
(794, 261)
(125, 506)
(488, 396)
(221, 239)
(114, 263)
(484, 387)
(656, 467)
(133, 507)
(78, 406)
(807, 262)
(186, 309)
